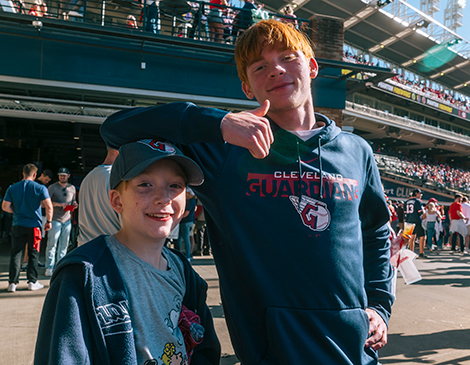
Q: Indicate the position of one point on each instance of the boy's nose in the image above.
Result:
(277, 70)
(162, 197)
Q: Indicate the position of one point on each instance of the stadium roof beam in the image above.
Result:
(465, 84)
(392, 40)
(373, 7)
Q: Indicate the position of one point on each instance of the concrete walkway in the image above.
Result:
(430, 322)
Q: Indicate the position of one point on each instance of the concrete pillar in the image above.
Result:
(327, 35)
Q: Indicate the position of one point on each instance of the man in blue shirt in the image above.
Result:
(24, 200)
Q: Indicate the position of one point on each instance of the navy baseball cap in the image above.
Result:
(417, 191)
(135, 157)
(63, 171)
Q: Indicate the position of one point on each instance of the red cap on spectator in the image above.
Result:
(432, 200)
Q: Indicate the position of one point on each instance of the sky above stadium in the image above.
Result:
(439, 16)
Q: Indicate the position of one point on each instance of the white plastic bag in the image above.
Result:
(407, 268)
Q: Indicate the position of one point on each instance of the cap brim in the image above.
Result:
(191, 169)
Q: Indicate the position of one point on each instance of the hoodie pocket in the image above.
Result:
(297, 336)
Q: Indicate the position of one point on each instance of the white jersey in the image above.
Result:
(95, 213)
(466, 211)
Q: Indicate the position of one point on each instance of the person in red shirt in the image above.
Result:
(458, 228)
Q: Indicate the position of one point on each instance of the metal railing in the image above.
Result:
(407, 123)
(86, 113)
(198, 20)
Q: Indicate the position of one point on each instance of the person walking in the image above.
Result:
(96, 216)
(63, 200)
(458, 227)
(44, 179)
(413, 211)
(432, 217)
(24, 200)
(186, 226)
(466, 213)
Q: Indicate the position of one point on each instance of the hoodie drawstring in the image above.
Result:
(300, 172)
(321, 168)
(300, 169)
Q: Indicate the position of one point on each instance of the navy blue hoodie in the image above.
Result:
(300, 238)
(85, 316)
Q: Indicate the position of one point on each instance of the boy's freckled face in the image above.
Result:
(281, 75)
(152, 204)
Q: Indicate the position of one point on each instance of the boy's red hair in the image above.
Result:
(249, 46)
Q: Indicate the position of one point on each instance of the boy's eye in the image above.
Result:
(256, 68)
(144, 184)
(177, 186)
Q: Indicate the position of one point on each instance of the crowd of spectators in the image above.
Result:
(426, 170)
(438, 95)
(416, 86)
(216, 21)
(352, 58)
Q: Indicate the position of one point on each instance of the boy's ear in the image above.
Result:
(247, 90)
(313, 68)
(115, 199)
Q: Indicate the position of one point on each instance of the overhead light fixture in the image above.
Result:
(376, 48)
(382, 3)
(404, 33)
(3, 131)
(465, 84)
(77, 131)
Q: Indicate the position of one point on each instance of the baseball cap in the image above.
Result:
(416, 191)
(432, 200)
(135, 157)
(63, 171)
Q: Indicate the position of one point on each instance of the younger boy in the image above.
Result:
(124, 299)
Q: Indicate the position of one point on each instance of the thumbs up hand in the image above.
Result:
(249, 129)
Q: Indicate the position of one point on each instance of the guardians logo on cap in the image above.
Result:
(135, 157)
(159, 145)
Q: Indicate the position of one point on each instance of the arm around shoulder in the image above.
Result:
(181, 123)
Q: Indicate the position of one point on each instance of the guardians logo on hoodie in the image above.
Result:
(303, 190)
(315, 214)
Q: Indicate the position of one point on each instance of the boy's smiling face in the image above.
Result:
(282, 76)
(152, 203)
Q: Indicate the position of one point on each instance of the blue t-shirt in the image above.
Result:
(191, 206)
(26, 197)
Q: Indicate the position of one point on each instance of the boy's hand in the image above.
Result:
(377, 330)
(249, 129)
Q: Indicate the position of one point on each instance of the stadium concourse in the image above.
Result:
(403, 91)
(430, 323)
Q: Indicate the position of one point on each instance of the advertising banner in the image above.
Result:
(401, 191)
(417, 98)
